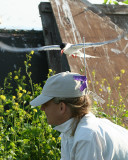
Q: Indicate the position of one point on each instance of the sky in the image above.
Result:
(23, 14)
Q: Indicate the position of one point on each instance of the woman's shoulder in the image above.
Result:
(86, 127)
(90, 126)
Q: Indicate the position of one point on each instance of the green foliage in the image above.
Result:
(24, 132)
(114, 2)
(125, 2)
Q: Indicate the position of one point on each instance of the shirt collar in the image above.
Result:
(64, 127)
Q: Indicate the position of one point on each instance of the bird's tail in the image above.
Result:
(81, 54)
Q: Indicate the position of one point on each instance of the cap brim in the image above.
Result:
(39, 100)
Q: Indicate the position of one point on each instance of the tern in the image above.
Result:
(67, 48)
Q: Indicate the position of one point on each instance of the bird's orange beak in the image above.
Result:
(62, 51)
(74, 56)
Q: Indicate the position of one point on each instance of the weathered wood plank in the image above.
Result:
(75, 20)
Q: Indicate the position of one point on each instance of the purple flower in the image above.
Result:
(83, 80)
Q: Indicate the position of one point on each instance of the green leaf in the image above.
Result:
(125, 2)
(105, 1)
(115, 2)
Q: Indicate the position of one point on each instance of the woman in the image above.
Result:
(65, 101)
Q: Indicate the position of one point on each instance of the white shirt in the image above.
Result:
(94, 139)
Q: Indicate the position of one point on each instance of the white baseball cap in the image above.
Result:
(60, 85)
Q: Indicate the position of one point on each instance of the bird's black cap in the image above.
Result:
(62, 45)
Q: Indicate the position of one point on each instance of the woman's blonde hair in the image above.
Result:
(79, 106)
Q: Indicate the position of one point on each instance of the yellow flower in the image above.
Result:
(1, 106)
(120, 84)
(24, 91)
(19, 95)
(16, 77)
(50, 70)
(1, 118)
(102, 81)
(15, 107)
(53, 138)
(108, 105)
(3, 97)
(100, 89)
(29, 116)
(122, 71)
(35, 110)
(112, 101)
(97, 82)
(59, 138)
(32, 52)
(51, 152)
(117, 78)
(29, 73)
(93, 73)
(20, 88)
(121, 99)
(16, 104)
(10, 73)
(124, 106)
(95, 103)
(29, 65)
(13, 97)
(109, 89)
(89, 81)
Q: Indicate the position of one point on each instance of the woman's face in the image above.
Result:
(53, 112)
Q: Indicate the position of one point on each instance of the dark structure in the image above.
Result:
(10, 62)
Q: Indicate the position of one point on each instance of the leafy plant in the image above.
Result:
(24, 132)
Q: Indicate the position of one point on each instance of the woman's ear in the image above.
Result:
(64, 112)
(63, 107)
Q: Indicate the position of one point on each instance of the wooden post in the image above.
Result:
(56, 61)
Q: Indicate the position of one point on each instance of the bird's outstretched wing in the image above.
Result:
(6, 47)
(89, 44)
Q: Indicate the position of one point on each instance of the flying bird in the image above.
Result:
(67, 48)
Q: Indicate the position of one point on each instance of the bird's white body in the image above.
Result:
(71, 49)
